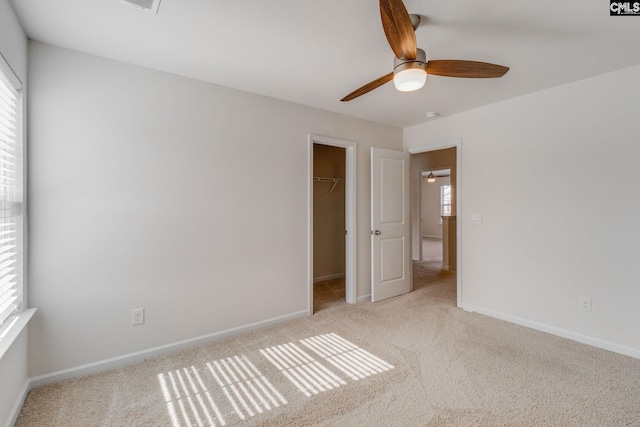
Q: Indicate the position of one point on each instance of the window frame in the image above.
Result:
(12, 167)
(443, 201)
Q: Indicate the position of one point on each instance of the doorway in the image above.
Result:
(331, 223)
(435, 206)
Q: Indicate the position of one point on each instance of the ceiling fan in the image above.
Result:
(410, 65)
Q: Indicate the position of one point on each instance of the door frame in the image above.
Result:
(439, 146)
(350, 215)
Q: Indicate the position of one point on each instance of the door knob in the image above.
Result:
(377, 232)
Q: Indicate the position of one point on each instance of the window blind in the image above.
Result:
(445, 200)
(10, 198)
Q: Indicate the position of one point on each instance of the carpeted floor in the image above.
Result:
(329, 294)
(431, 249)
(414, 360)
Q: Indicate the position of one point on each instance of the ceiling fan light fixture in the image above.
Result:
(410, 75)
(410, 62)
(409, 79)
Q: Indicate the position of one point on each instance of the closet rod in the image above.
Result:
(335, 181)
(325, 179)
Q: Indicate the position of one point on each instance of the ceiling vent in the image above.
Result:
(146, 5)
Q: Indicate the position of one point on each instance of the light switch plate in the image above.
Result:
(476, 218)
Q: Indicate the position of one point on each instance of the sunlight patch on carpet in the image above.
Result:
(240, 378)
(233, 389)
(237, 386)
(309, 376)
(188, 399)
(350, 359)
(312, 377)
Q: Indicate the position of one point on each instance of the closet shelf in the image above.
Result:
(335, 181)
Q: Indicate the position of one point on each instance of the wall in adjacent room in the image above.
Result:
(151, 190)
(554, 175)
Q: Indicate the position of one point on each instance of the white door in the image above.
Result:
(390, 224)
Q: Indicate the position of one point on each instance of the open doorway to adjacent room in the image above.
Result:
(435, 191)
(434, 228)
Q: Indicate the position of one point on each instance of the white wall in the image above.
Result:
(555, 175)
(152, 190)
(13, 379)
(13, 365)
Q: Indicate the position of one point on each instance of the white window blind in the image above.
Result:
(10, 197)
(445, 200)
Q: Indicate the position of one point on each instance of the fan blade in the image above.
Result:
(398, 29)
(469, 69)
(368, 87)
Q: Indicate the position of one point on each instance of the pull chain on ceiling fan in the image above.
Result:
(410, 65)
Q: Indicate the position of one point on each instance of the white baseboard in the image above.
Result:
(329, 277)
(17, 407)
(363, 298)
(584, 339)
(127, 359)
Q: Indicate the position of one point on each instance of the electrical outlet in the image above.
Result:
(584, 303)
(137, 316)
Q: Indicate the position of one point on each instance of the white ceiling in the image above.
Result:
(316, 52)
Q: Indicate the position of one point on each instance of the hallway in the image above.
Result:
(432, 249)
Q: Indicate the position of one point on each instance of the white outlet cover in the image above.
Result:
(137, 316)
(584, 303)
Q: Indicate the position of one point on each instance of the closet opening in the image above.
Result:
(329, 265)
(332, 241)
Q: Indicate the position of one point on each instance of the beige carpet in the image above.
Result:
(413, 360)
(431, 249)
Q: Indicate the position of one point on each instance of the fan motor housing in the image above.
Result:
(405, 64)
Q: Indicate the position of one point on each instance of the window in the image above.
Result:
(11, 178)
(445, 200)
